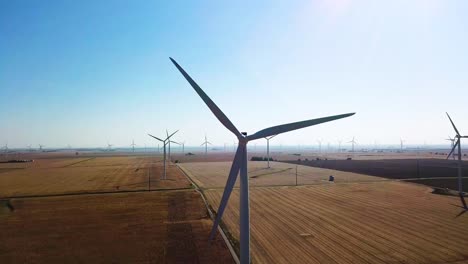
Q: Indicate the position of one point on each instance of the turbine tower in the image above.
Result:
(352, 144)
(240, 162)
(401, 144)
(206, 142)
(319, 141)
(133, 146)
(458, 138)
(183, 147)
(268, 149)
(40, 147)
(165, 142)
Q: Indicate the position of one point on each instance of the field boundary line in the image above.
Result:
(69, 165)
(221, 231)
(92, 193)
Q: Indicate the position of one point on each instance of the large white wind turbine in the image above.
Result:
(165, 142)
(268, 149)
(458, 138)
(401, 144)
(240, 162)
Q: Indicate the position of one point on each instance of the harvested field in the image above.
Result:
(383, 222)
(214, 174)
(146, 227)
(87, 175)
(368, 220)
(432, 172)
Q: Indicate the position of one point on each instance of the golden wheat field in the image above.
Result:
(81, 175)
(359, 222)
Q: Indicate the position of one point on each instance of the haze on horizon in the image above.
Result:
(87, 73)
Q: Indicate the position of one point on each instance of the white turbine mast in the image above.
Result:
(239, 163)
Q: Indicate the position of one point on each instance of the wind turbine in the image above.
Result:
(165, 142)
(109, 146)
(206, 142)
(452, 142)
(177, 143)
(169, 143)
(458, 138)
(133, 145)
(352, 142)
(40, 147)
(5, 148)
(183, 147)
(401, 144)
(240, 162)
(319, 141)
(268, 149)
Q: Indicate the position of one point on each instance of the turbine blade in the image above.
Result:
(453, 149)
(213, 107)
(175, 142)
(172, 134)
(293, 126)
(454, 127)
(209, 143)
(227, 190)
(155, 138)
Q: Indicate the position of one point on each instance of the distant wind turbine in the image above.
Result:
(452, 143)
(458, 138)
(353, 141)
(319, 141)
(206, 142)
(165, 142)
(240, 162)
(401, 144)
(268, 149)
(133, 146)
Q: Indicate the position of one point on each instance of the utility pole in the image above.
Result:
(296, 175)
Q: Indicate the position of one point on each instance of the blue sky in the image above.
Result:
(87, 72)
